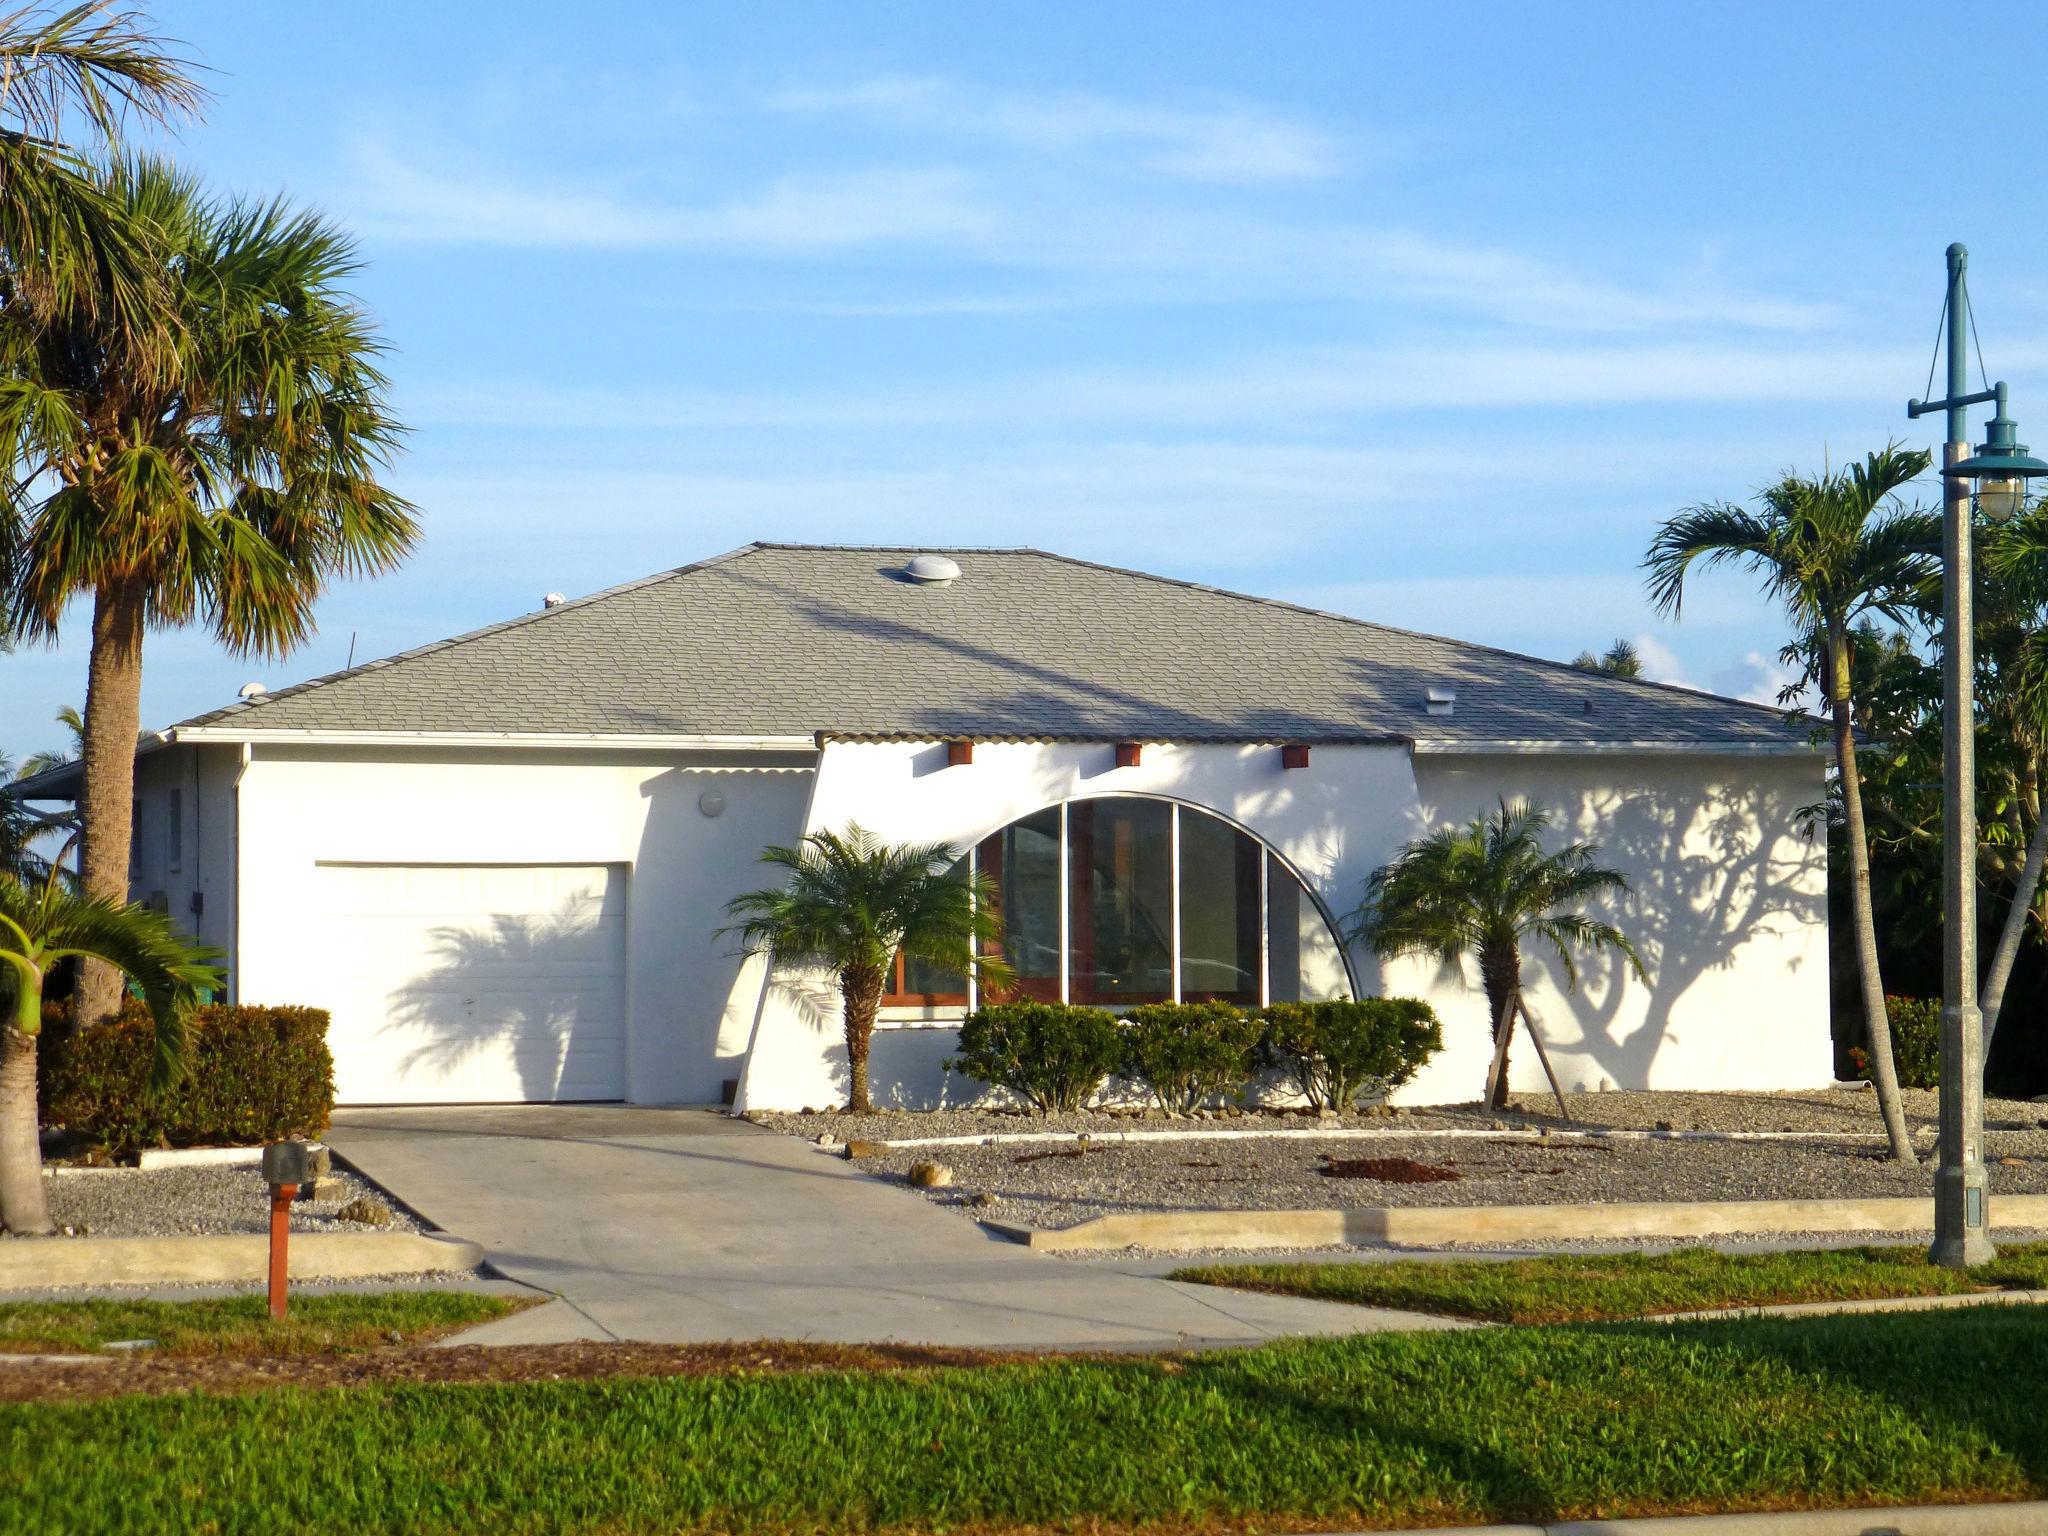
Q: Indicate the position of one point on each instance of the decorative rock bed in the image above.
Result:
(1057, 1183)
(182, 1202)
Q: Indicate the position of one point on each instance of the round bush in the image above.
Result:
(1337, 1051)
(1191, 1053)
(1053, 1054)
(1916, 1042)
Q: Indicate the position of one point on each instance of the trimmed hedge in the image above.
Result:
(1336, 1051)
(1190, 1053)
(253, 1075)
(1053, 1054)
(1916, 1042)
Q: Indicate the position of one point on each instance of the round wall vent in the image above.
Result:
(932, 570)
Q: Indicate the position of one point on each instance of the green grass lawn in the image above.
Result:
(239, 1325)
(1387, 1430)
(1566, 1288)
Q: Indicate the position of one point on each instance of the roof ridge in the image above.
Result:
(1414, 634)
(327, 679)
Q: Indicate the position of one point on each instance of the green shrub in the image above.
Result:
(254, 1075)
(1916, 1042)
(1189, 1053)
(1336, 1051)
(1053, 1054)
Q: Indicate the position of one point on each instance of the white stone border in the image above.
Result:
(200, 1157)
(1365, 1133)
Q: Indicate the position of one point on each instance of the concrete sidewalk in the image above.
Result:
(683, 1225)
(1918, 1520)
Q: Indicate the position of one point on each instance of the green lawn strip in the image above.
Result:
(1566, 1288)
(240, 1325)
(1389, 1430)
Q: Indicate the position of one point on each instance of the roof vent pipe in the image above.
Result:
(932, 571)
(553, 600)
(251, 691)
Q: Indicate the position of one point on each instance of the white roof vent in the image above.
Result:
(1442, 701)
(251, 691)
(553, 600)
(932, 571)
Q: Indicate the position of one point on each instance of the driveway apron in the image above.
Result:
(684, 1225)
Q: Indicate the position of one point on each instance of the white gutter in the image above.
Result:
(1621, 748)
(567, 740)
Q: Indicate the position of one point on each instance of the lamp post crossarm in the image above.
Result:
(1919, 408)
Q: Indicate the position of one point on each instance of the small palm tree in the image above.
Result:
(1484, 888)
(225, 487)
(1831, 550)
(851, 903)
(1621, 659)
(40, 926)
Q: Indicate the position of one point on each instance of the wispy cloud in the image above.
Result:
(1225, 142)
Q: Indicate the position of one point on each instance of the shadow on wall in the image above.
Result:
(521, 1006)
(1710, 869)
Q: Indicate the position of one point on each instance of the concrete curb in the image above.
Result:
(1868, 1304)
(1919, 1520)
(36, 1263)
(200, 1157)
(1431, 1226)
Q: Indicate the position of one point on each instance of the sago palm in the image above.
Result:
(43, 924)
(1831, 551)
(851, 903)
(1485, 889)
(226, 489)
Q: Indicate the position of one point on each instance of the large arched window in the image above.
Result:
(1125, 900)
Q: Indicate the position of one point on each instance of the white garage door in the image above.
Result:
(454, 984)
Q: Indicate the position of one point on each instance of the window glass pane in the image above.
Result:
(1219, 911)
(1307, 962)
(1121, 906)
(1023, 863)
(923, 978)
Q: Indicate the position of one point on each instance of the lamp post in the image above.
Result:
(1999, 470)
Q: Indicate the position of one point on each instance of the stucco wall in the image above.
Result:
(1728, 902)
(689, 1013)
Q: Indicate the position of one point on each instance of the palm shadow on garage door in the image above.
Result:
(479, 984)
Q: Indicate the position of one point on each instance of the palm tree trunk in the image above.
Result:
(860, 992)
(2015, 929)
(1500, 972)
(23, 1208)
(113, 718)
(1876, 1021)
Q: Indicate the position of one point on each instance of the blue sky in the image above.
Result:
(1425, 314)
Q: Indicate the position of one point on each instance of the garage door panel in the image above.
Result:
(490, 983)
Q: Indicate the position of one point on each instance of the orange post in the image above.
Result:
(280, 1235)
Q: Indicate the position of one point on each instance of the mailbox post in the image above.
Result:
(287, 1165)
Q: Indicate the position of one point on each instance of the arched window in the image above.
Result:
(1126, 900)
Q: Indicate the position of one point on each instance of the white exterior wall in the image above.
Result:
(1728, 903)
(304, 806)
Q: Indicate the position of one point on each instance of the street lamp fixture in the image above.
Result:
(1998, 471)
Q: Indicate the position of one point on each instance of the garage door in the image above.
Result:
(480, 984)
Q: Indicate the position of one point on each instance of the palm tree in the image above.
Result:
(1621, 659)
(1484, 888)
(226, 489)
(1832, 550)
(38, 928)
(62, 240)
(851, 903)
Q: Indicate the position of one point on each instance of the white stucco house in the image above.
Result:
(502, 861)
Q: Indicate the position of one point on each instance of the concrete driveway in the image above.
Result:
(679, 1225)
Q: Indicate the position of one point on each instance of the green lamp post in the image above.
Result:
(1991, 481)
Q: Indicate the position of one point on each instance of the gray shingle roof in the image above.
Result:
(779, 639)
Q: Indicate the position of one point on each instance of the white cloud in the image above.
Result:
(1660, 662)
(1754, 676)
(1228, 142)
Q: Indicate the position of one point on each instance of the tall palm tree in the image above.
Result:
(1485, 888)
(226, 489)
(1832, 550)
(39, 926)
(62, 240)
(851, 903)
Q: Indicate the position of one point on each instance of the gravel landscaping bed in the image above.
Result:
(1055, 1184)
(174, 1202)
